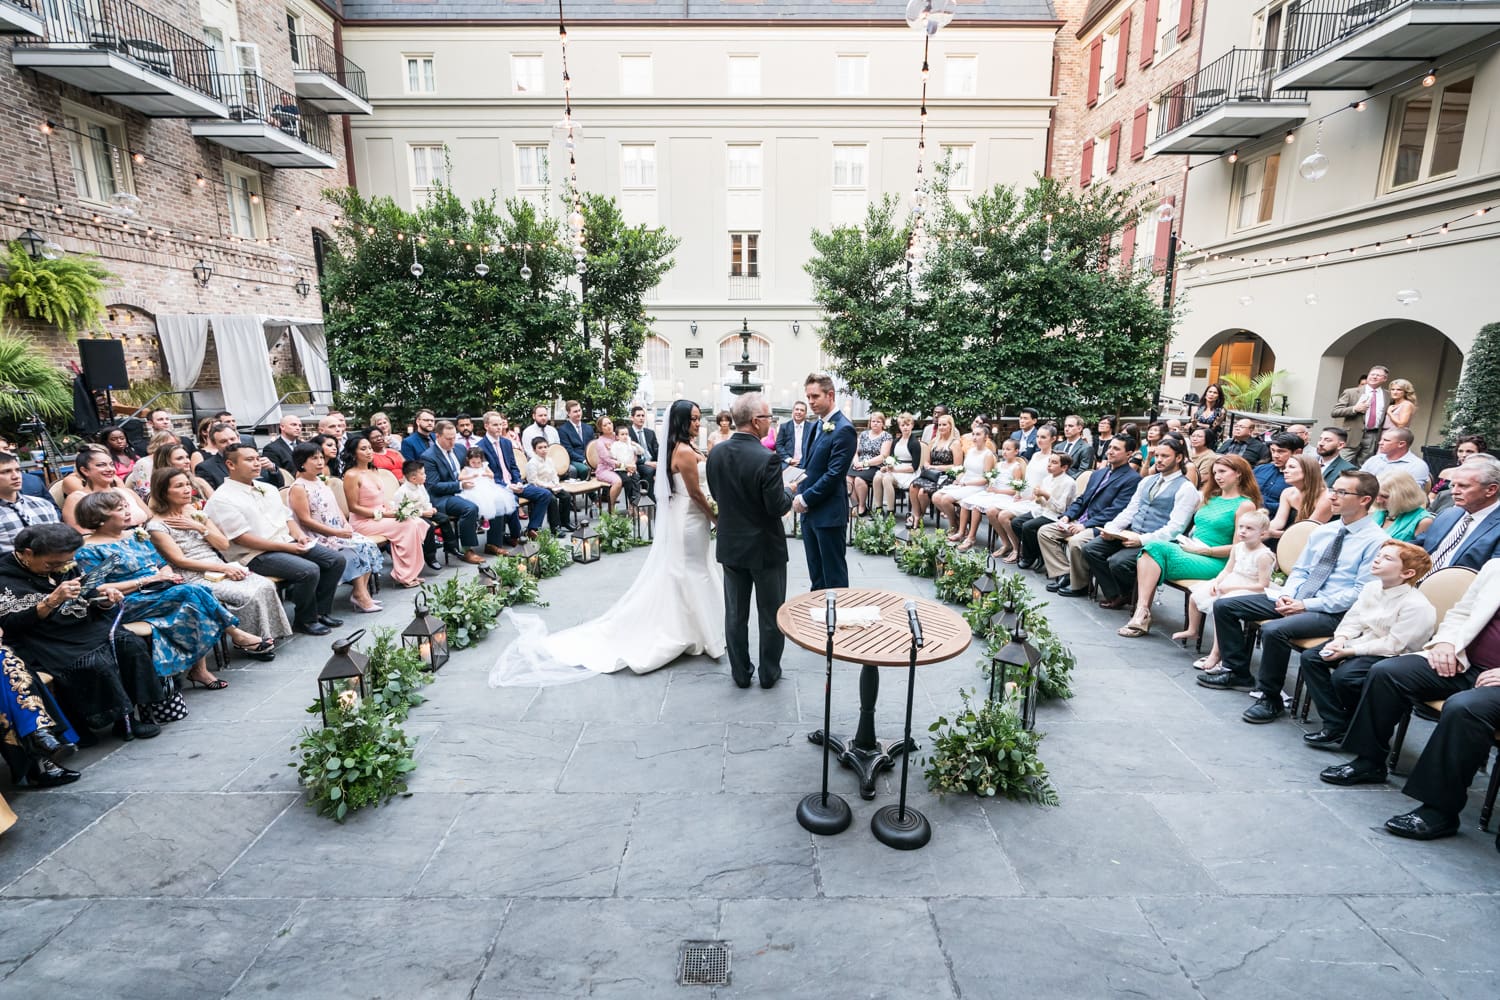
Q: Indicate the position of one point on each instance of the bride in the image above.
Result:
(675, 606)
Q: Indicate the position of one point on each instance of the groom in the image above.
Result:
(822, 496)
(745, 480)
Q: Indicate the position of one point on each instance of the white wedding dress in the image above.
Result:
(674, 607)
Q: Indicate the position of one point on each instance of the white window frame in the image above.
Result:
(746, 82)
(852, 160)
(660, 366)
(1399, 105)
(528, 74)
(750, 247)
(851, 75)
(432, 152)
(1101, 156)
(91, 155)
(637, 166)
(246, 57)
(1252, 170)
(754, 164)
(1109, 63)
(732, 347)
(637, 75)
(249, 213)
(424, 81)
(1168, 17)
(960, 157)
(961, 75)
(543, 163)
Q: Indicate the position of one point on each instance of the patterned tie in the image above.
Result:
(1324, 568)
(1370, 413)
(1155, 490)
(1452, 543)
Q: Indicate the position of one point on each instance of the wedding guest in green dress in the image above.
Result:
(1401, 507)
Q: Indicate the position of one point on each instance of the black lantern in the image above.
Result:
(1017, 658)
(427, 635)
(940, 562)
(643, 519)
(490, 578)
(302, 288)
(585, 544)
(985, 585)
(1005, 619)
(33, 244)
(341, 685)
(202, 271)
(531, 555)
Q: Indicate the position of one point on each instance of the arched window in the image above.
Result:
(730, 349)
(656, 358)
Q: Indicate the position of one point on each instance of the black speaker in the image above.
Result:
(103, 364)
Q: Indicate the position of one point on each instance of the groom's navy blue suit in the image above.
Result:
(826, 494)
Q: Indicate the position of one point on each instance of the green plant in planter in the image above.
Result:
(144, 390)
(616, 533)
(960, 570)
(516, 585)
(23, 367)
(361, 758)
(555, 556)
(919, 558)
(395, 672)
(293, 385)
(987, 752)
(466, 607)
(876, 535)
(64, 292)
(1057, 660)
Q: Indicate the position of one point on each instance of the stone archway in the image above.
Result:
(1420, 353)
(1231, 351)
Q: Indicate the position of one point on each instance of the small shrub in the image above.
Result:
(987, 752)
(361, 758)
(876, 535)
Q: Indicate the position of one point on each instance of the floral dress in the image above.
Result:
(361, 555)
(253, 600)
(867, 450)
(186, 619)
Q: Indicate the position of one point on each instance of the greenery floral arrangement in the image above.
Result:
(553, 554)
(987, 752)
(65, 292)
(395, 672)
(1057, 660)
(360, 758)
(517, 586)
(616, 533)
(467, 609)
(919, 557)
(407, 508)
(960, 570)
(876, 535)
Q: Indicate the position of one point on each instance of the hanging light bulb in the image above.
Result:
(481, 268)
(580, 267)
(930, 16)
(1408, 296)
(1314, 166)
(1234, 157)
(416, 265)
(1046, 255)
(1311, 298)
(1165, 212)
(525, 268)
(1430, 78)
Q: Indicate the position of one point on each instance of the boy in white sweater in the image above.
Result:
(1389, 618)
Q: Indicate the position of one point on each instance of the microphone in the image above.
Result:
(914, 623)
(830, 615)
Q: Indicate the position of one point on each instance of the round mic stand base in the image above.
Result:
(905, 830)
(825, 814)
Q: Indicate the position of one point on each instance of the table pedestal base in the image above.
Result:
(903, 832)
(867, 762)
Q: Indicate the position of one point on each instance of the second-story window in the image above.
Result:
(100, 170)
(638, 165)
(744, 166)
(420, 77)
(526, 75)
(635, 76)
(851, 76)
(531, 166)
(426, 167)
(1427, 133)
(744, 76)
(961, 76)
(247, 213)
(744, 255)
(849, 163)
(1255, 190)
(960, 167)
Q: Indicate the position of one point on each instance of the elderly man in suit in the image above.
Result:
(1460, 663)
(1061, 542)
(1362, 409)
(1468, 533)
(1243, 442)
(501, 456)
(442, 462)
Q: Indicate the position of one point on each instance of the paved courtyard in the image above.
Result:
(564, 842)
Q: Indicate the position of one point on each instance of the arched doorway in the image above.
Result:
(1236, 352)
(1417, 352)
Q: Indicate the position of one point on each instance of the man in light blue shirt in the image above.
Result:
(1323, 585)
(1395, 453)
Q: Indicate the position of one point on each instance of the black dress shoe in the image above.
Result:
(1357, 772)
(45, 774)
(435, 566)
(42, 745)
(1026, 564)
(1070, 592)
(1056, 583)
(1264, 711)
(1324, 739)
(313, 628)
(1227, 681)
(741, 682)
(1422, 824)
(128, 728)
(770, 682)
(330, 621)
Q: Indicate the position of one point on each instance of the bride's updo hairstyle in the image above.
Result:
(679, 431)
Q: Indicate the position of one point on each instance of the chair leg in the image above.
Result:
(1398, 741)
(1489, 799)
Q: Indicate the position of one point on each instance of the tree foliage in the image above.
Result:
(455, 340)
(29, 377)
(63, 291)
(1019, 299)
(1472, 408)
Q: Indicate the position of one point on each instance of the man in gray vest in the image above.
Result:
(1163, 505)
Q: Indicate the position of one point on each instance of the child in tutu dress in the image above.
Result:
(485, 493)
(1248, 571)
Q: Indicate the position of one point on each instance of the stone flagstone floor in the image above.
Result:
(565, 842)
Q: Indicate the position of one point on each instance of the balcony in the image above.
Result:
(326, 78)
(268, 124)
(1227, 103)
(19, 17)
(744, 286)
(1357, 44)
(120, 51)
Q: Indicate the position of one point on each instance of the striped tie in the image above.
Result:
(1452, 543)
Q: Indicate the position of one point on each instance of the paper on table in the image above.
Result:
(867, 614)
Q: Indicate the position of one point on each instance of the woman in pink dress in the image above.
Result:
(369, 514)
(604, 471)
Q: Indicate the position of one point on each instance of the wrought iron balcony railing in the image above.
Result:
(1241, 75)
(309, 52)
(134, 32)
(1313, 25)
(254, 98)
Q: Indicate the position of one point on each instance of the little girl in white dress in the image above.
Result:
(1248, 571)
(492, 499)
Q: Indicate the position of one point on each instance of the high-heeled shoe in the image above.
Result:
(1136, 627)
(217, 684)
(375, 607)
(264, 650)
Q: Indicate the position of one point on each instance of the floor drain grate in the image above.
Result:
(703, 963)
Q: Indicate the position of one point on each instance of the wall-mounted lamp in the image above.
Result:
(202, 271)
(302, 287)
(34, 244)
(796, 328)
(692, 327)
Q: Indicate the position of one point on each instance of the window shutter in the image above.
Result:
(1114, 147)
(1185, 20)
(1138, 133)
(1163, 239)
(1096, 56)
(1127, 248)
(1086, 168)
(1122, 60)
(1148, 32)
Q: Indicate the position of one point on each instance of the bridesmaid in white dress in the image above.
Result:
(979, 459)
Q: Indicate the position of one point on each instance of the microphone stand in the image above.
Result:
(897, 826)
(36, 425)
(824, 813)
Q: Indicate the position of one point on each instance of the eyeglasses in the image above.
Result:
(1346, 493)
(762, 416)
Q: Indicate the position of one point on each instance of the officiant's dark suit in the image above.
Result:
(745, 480)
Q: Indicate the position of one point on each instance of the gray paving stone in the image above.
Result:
(154, 845)
(191, 756)
(627, 952)
(1097, 844)
(1448, 939)
(663, 757)
(718, 846)
(376, 951)
(493, 756)
(1241, 757)
(532, 845)
(1087, 757)
(606, 698)
(1056, 948)
(776, 757)
(1259, 948)
(1461, 864)
(833, 947)
(45, 821)
(712, 697)
(26, 925)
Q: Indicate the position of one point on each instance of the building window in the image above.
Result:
(247, 215)
(420, 78)
(744, 76)
(1255, 190)
(851, 76)
(1101, 155)
(960, 167)
(744, 166)
(635, 76)
(961, 76)
(732, 348)
(1109, 62)
(1167, 15)
(744, 255)
(532, 167)
(638, 165)
(293, 30)
(426, 166)
(526, 75)
(99, 170)
(656, 360)
(849, 163)
(1427, 132)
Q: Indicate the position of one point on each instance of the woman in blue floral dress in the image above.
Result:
(317, 511)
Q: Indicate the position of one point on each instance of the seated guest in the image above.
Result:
(870, 453)
(1201, 454)
(1326, 580)
(623, 453)
(644, 439)
(1390, 618)
(1001, 501)
(1155, 431)
(174, 456)
(540, 427)
(35, 736)
(1060, 544)
(139, 479)
(939, 455)
(1269, 476)
(480, 489)
(1045, 503)
(1244, 443)
(575, 435)
(329, 446)
(413, 487)
(382, 456)
(794, 437)
(317, 512)
(204, 440)
(1304, 497)
(1025, 437)
(214, 468)
(159, 421)
(443, 460)
(122, 457)
(1400, 509)
(1304, 435)
(194, 546)
(1229, 493)
(225, 417)
(1439, 498)
(279, 448)
(1248, 571)
(1395, 453)
(370, 514)
(1161, 508)
(978, 461)
(544, 503)
(543, 477)
(186, 620)
(32, 485)
(906, 450)
(605, 469)
(1073, 444)
(938, 410)
(101, 674)
(724, 429)
(265, 537)
(1330, 451)
(464, 424)
(381, 421)
(419, 440)
(1468, 534)
(1460, 663)
(18, 511)
(997, 490)
(1102, 435)
(97, 472)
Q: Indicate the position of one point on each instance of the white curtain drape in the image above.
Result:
(244, 368)
(312, 351)
(184, 342)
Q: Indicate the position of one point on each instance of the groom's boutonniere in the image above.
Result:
(828, 427)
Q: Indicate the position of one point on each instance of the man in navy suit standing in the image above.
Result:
(575, 435)
(793, 437)
(501, 456)
(823, 496)
(442, 461)
(1468, 533)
